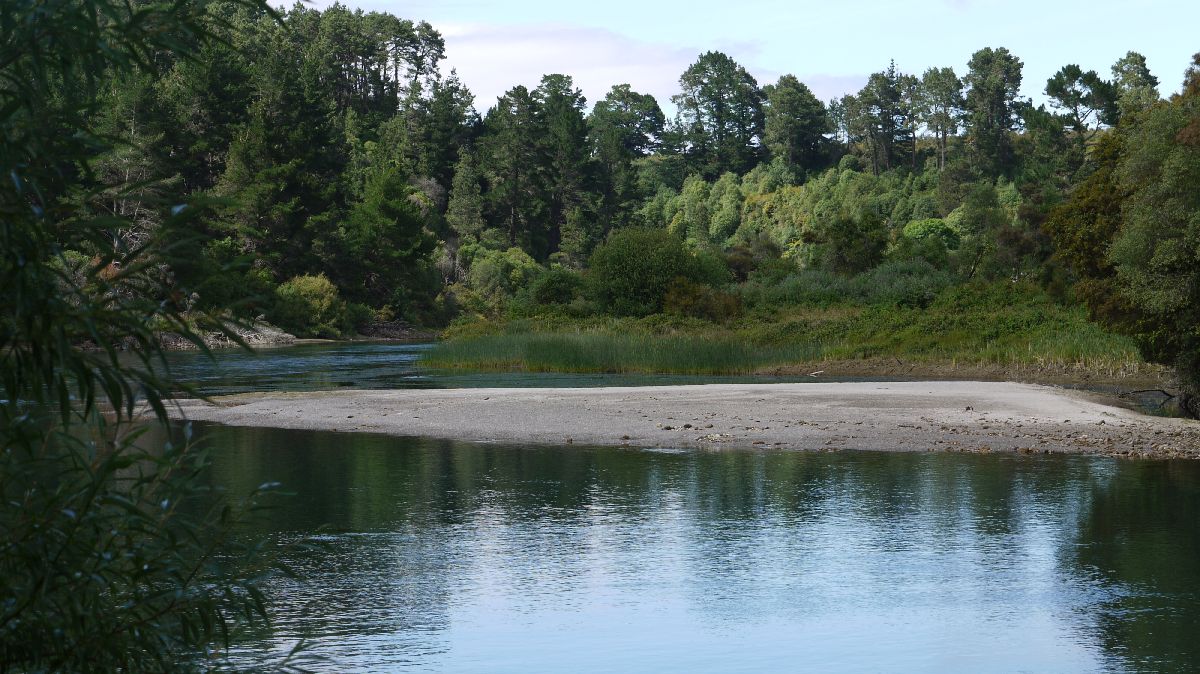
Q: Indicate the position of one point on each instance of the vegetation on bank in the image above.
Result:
(1013, 328)
(353, 182)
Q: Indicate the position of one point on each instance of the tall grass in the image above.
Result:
(609, 352)
(1006, 326)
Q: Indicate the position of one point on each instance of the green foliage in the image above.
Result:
(497, 275)
(795, 123)
(720, 116)
(993, 84)
(624, 126)
(309, 306)
(1136, 88)
(1011, 327)
(905, 283)
(616, 349)
(385, 248)
(557, 286)
(941, 102)
(108, 563)
(1084, 98)
(1155, 252)
(629, 274)
(464, 214)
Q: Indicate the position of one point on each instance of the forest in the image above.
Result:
(347, 180)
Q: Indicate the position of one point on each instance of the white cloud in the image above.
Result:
(492, 59)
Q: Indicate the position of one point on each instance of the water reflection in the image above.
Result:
(455, 557)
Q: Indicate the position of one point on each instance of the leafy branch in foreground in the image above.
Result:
(112, 555)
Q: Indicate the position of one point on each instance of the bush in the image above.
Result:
(908, 283)
(905, 283)
(309, 306)
(630, 273)
(115, 553)
(557, 286)
(688, 298)
(497, 275)
(812, 287)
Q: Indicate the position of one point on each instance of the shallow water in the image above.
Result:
(384, 365)
(443, 556)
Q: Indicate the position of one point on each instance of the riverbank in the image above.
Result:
(257, 334)
(989, 333)
(956, 416)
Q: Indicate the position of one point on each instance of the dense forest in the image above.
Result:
(347, 180)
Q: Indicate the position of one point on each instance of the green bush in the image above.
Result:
(630, 273)
(688, 298)
(808, 287)
(905, 283)
(908, 283)
(557, 286)
(309, 306)
(497, 275)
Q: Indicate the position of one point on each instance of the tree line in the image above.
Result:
(342, 163)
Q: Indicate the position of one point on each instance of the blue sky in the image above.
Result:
(832, 47)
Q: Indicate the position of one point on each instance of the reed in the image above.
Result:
(615, 352)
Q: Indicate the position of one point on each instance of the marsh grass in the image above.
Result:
(614, 352)
(998, 327)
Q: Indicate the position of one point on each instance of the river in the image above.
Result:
(444, 556)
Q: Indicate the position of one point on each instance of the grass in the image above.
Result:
(1001, 328)
(615, 352)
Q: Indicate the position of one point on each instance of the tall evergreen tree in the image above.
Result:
(720, 116)
(1087, 101)
(881, 118)
(567, 160)
(464, 213)
(623, 127)
(941, 106)
(511, 160)
(1136, 87)
(795, 123)
(993, 83)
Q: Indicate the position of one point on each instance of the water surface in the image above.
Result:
(444, 556)
(385, 365)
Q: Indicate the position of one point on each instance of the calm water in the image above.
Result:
(316, 367)
(442, 556)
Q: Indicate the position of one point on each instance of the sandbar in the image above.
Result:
(959, 416)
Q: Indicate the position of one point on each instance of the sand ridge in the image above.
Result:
(894, 416)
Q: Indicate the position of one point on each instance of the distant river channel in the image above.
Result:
(444, 556)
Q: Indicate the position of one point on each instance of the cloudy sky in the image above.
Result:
(831, 46)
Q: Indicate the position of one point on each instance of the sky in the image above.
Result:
(830, 46)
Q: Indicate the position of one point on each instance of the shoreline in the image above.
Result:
(954, 416)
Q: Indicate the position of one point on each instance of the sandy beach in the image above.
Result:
(895, 416)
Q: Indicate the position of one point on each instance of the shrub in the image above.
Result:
(557, 286)
(688, 298)
(907, 283)
(630, 273)
(309, 306)
(115, 553)
(813, 287)
(497, 275)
